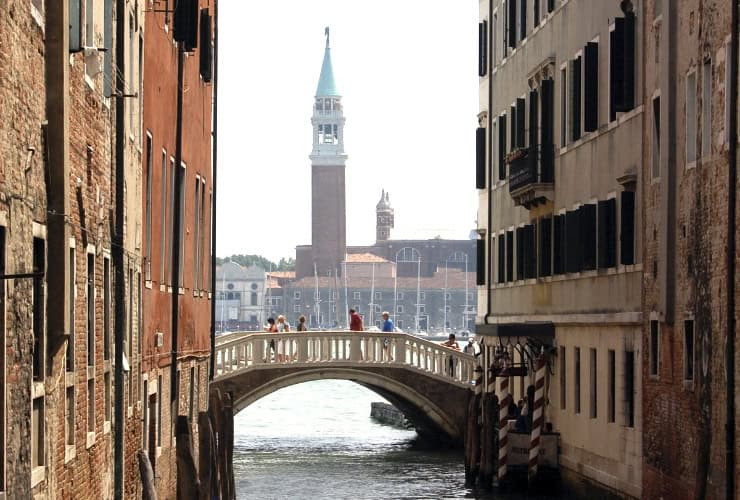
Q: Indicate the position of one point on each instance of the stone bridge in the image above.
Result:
(429, 383)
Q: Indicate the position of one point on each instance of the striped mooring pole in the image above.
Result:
(503, 424)
(537, 416)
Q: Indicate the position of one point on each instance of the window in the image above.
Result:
(181, 222)
(591, 87)
(448, 296)
(622, 66)
(545, 243)
(108, 403)
(376, 308)
(706, 109)
(163, 232)
(69, 414)
(106, 308)
(575, 99)
(688, 350)
(72, 291)
(587, 223)
(577, 379)
(655, 172)
(130, 322)
(145, 417)
(297, 295)
(296, 308)
(399, 309)
(629, 388)
(400, 324)
(611, 404)
(522, 19)
(593, 385)
(448, 309)
(563, 107)
(90, 408)
(37, 433)
(422, 296)
(192, 408)
(39, 309)
(399, 296)
(356, 295)
(148, 217)
(654, 346)
(170, 221)
(253, 298)
(378, 295)
(627, 219)
(690, 117)
(130, 76)
(90, 300)
(202, 256)
(482, 48)
(159, 410)
(536, 12)
(502, 147)
(91, 59)
(501, 258)
(196, 237)
(563, 379)
(422, 309)
(509, 256)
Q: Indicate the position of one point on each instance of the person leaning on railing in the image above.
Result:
(451, 343)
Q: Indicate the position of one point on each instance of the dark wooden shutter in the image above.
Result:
(545, 246)
(523, 18)
(520, 121)
(628, 75)
(75, 25)
(616, 67)
(533, 120)
(482, 48)
(511, 35)
(536, 11)
(519, 253)
(513, 117)
(588, 236)
(558, 250)
(591, 88)
(480, 158)
(531, 259)
(547, 127)
(509, 255)
(573, 250)
(607, 240)
(186, 23)
(480, 270)
(501, 258)
(502, 147)
(575, 99)
(627, 236)
(550, 5)
(206, 49)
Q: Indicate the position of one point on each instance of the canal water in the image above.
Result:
(317, 441)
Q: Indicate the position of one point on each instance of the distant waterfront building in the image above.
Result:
(240, 297)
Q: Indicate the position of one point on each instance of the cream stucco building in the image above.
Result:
(559, 151)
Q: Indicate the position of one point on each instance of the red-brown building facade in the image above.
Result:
(180, 389)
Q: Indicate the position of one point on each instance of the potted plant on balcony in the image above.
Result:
(516, 154)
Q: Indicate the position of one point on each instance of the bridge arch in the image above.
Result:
(422, 411)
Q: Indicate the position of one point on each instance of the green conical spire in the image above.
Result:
(327, 86)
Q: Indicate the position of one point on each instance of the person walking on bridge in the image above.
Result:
(355, 321)
(387, 327)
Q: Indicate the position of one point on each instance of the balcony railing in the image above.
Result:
(533, 165)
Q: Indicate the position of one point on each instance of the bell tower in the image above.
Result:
(383, 218)
(328, 218)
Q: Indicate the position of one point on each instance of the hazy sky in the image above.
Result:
(407, 72)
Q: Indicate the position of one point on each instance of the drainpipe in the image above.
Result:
(731, 216)
(176, 229)
(214, 187)
(489, 125)
(117, 253)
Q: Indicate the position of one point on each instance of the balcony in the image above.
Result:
(531, 175)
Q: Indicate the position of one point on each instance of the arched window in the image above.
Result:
(254, 299)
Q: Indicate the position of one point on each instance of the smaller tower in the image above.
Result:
(384, 218)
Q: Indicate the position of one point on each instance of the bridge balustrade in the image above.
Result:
(247, 350)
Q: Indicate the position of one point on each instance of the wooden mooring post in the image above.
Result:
(472, 431)
(489, 428)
